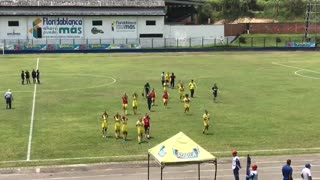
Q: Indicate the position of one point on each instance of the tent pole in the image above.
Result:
(199, 171)
(216, 168)
(148, 166)
(161, 172)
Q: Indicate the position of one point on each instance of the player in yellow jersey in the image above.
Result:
(181, 91)
(124, 127)
(186, 101)
(117, 125)
(166, 85)
(139, 126)
(206, 118)
(135, 103)
(125, 103)
(167, 77)
(104, 124)
(192, 87)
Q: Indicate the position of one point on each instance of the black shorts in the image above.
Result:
(215, 93)
(146, 128)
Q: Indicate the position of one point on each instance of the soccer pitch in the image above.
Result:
(267, 100)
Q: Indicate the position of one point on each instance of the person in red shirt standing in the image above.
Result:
(153, 97)
(146, 124)
(165, 98)
(125, 103)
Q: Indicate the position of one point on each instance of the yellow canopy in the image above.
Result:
(180, 149)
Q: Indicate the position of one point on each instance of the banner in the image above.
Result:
(124, 26)
(71, 47)
(57, 27)
(302, 44)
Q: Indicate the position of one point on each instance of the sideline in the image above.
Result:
(144, 155)
(32, 116)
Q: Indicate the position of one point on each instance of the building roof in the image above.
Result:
(80, 11)
(83, 3)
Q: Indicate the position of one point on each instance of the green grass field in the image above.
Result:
(262, 106)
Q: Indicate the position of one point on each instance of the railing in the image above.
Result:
(153, 43)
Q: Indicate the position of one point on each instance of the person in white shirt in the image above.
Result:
(236, 165)
(253, 173)
(306, 173)
(9, 98)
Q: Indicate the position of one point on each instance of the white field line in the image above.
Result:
(279, 64)
(145, 155)
(298, 74)
(75, 89)
(32, 116)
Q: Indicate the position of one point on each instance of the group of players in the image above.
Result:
(25, 76)
(121, 126)
(143, 123)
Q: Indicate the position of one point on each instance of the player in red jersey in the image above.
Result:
(146, 124)
(153, 97)
(125, 103)
(165, 98)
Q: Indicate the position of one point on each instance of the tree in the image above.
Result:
(231, 9)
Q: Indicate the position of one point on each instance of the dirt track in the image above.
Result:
(269, 168)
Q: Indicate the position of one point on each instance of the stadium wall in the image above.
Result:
(80, 27)
(194, 31)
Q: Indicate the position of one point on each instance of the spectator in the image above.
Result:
(253, 175)
(236, 166)
(306, 173)
(287, 171)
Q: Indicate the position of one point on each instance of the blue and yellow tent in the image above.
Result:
(180, 149)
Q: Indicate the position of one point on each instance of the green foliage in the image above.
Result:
(242, 40)
(281, 10)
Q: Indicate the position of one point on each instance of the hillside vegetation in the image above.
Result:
(230, 10)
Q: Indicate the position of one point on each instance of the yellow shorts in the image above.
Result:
(134, 104)
(104, 125)
(187, 106)
(205, 124)
(125, 106)
(117, 127)
(140, 131)
(124, 129)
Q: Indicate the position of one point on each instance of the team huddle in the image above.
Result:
(143, 123)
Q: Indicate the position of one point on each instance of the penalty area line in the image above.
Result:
(32, 116)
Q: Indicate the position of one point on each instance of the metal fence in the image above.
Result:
(153, 43)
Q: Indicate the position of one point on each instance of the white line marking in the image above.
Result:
(32, 116)
(300, 69)
(145, 155)
(294, 67)
(75, 89)
(298, 74)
